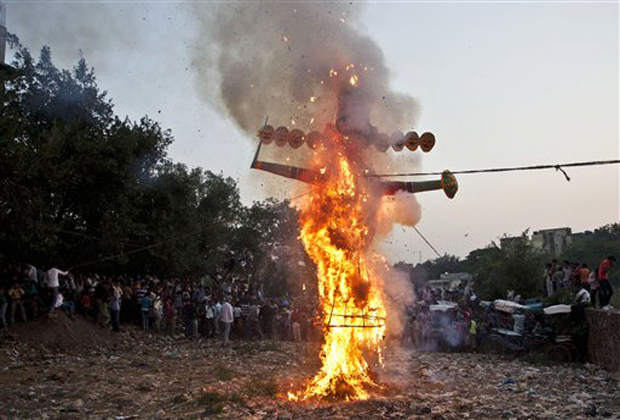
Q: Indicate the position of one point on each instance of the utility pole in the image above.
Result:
(3, 33)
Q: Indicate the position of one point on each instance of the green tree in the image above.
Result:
(268, 250)
(81, 187)
(515, 266)
(592, 247)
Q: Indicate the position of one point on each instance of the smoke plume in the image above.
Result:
(293, 61)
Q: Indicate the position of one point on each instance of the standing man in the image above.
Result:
(254, 320)
(226, 318)
(145, 307)
(209, 319)
(51, 279)
(115, 307)
(605, 291)
(16, 293)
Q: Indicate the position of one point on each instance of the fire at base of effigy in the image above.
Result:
(339, 219)
(336, 230)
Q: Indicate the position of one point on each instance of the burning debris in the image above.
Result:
(306, 67)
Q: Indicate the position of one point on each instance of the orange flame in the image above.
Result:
(336, 233)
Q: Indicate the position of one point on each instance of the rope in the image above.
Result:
(557, 167)
(427, 242)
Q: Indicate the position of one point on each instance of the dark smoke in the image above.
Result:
(270, 58)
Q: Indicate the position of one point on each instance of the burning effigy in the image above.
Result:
(338, 221)
(310, 68)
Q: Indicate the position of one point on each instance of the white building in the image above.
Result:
(553, 241)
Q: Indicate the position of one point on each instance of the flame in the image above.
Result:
(335, 230)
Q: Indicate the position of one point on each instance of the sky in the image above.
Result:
(498, 83)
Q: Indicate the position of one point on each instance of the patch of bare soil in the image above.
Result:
(143, 376)
(61, 332)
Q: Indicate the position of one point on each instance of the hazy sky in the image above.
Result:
(500, 84)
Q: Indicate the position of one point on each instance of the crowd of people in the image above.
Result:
(570, 275)
(440, 318)
(457, 320)
(157, 305)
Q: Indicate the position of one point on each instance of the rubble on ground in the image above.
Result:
(137, 375)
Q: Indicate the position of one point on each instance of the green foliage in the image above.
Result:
(81, 187)
(593, 247)
(515, 266)
(431, 269)
(561, 297)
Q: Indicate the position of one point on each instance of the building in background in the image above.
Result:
(450, 281)
(4, 68)
(507, 241)
(553, 241)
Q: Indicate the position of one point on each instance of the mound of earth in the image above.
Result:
(61, 332)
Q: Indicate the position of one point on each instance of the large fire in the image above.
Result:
(336, 230)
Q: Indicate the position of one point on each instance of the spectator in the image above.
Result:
(606, 290)
(567, 270)
(51, 279)
(254, 322)
(169, 316)
(145, 307)
(189, 314)
(209, 319)
(32, 299)
(582, 298)
(548, 286)
(557, 280)
(218, 313)
(266, 318)
(594, 286)
(100, 297)
(584, 273)
(31, 273)
(115, 308)
(4, 303)
(156, 311)
(226, 317)
(16, 293)
(86, 303)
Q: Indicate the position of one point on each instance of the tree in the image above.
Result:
(592, 247)
(81, 187)
(516, 266)
(69, 167)
(268, 248)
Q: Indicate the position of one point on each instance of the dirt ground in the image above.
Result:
(136, 375)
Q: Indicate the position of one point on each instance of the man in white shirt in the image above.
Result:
(226, 317)
(31, 273)
(583, 297)
(51, 279)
